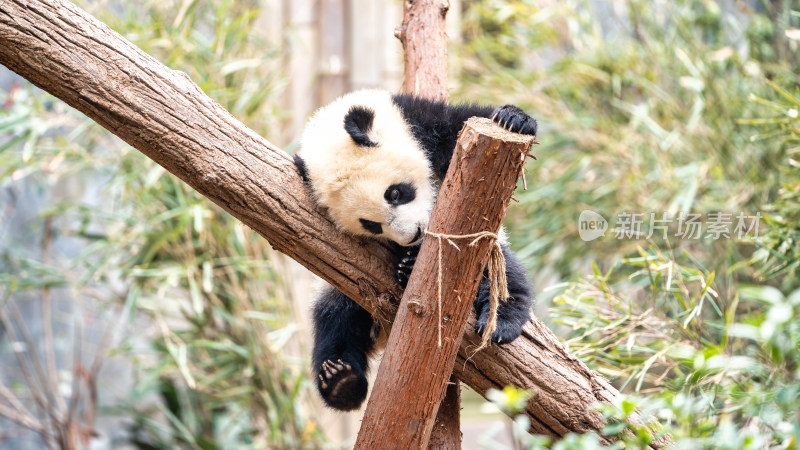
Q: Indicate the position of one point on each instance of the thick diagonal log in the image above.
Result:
(162, 113)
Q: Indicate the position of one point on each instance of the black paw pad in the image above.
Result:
(514, 119)
(341, 386)
(404, 267)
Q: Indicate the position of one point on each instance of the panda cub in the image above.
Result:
(376, 162)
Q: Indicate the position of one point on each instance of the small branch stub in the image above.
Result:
(416, 307)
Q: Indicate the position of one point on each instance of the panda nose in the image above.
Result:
(417, 236)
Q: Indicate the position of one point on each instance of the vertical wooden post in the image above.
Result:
(423, 34)
(446, 432)
(424, 37)
(413, 373)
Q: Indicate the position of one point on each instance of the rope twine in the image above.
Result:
(498, 285)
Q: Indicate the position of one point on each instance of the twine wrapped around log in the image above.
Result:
(498, 285)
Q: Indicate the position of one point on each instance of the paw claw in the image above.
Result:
(515, 120)
(405, 265)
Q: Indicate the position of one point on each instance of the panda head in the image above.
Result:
(363, 164)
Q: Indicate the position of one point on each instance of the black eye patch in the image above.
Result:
(372, 227)
(400, 194)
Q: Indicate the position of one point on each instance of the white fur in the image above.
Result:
(350, 180)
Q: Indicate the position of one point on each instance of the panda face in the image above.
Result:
(366, 168)
(383, 207)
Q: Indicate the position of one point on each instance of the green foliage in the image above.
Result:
(217, 43)
(510, 400)
(701, 361)
(216, 375)
(680, 107)
(637, 104)
(708, 374)
(779, 254)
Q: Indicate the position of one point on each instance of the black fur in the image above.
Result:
(515, 119)
(511, 314)
(372, 227)
(301, 167)
(516, 310)
(436, 126)
(343, 336)
(357, 123)
(341, 332)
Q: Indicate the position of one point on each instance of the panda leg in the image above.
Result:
(342, 343)
(512, 313)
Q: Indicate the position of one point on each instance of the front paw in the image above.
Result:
(402, 271)
(506, 331)
(515, 120)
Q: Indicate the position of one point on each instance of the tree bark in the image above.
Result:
(414, 371)
(424, 37)
(446, 433)
(160, 112)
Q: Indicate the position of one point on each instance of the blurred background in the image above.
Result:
(134, 313)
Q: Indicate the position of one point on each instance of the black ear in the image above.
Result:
(301, 167)
(357, 123)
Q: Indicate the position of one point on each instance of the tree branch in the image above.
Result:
(160, 112)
